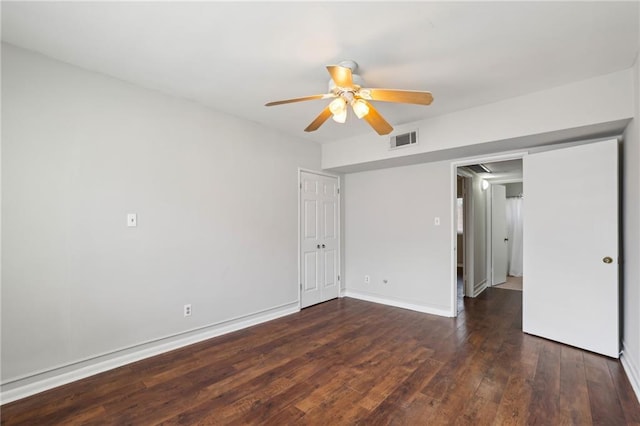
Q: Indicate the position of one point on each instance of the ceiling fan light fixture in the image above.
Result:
(347, 87)
(340, 117)
(360, 108)
(338, 106)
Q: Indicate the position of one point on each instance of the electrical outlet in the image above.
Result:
(367, 279)
(187, 310)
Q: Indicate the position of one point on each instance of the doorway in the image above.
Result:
(473, 183)
(461, 224)
(513, 230)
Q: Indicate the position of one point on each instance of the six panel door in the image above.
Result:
(319, 238)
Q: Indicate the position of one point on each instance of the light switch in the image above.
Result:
(132, 219)
(436, 221)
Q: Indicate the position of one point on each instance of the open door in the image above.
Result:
(499, 240)
(571, 247)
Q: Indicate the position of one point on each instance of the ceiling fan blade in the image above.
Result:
(376, 121)
(306, 98)
(341, 75)
(402, 96)
(319, 121)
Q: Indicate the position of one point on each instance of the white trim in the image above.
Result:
(315, 172)
(632, 371)
(488, 226)
(397, 303)
(469, 227)
(453, 311)
(40, 382)
(340, 274)
(505, 181)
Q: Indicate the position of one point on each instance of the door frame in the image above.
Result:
(490, 229)
(490, 235)
(467, 246)
(469, 262)
(299, 257)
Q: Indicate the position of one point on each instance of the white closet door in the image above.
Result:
(330, 242)
(319, 238)
(571, 246)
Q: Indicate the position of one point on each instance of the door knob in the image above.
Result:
(506, 239)
(607, 260)
(323, 246)
(318, 246)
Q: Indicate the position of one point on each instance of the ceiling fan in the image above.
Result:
(346, 88)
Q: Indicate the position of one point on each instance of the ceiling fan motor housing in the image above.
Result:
(357, 81)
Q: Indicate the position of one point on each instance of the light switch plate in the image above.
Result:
(436, 221)
(132, 219)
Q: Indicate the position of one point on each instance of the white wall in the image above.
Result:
(216, 199)
(591, 103)
(376, 246)
(631, 230)
(390, 234)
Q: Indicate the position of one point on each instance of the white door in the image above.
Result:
(499, 240)
(571, 246)
(319, 238)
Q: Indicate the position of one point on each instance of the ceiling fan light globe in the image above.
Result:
(338, 106)
(340, 117)
(365, 94)
(360, 108)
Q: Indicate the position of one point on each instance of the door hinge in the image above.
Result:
(301, 286)
(300, 185)
(338, 190)
(338, 277)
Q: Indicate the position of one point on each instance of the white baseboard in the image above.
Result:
(41, 382)
(397, 303)
(632, 371)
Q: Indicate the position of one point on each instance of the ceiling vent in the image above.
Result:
(404, 139)
(479, 168)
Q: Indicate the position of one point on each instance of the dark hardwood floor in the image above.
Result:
(353, 362)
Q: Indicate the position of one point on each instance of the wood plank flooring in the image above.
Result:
(353, 362)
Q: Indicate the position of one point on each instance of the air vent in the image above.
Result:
(403, 140)
(479, 168)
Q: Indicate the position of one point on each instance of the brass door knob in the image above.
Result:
(607, 260)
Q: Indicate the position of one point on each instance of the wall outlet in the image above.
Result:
(367, 279)
(187, 310)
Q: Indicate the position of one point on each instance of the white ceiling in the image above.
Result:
(234, 57)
